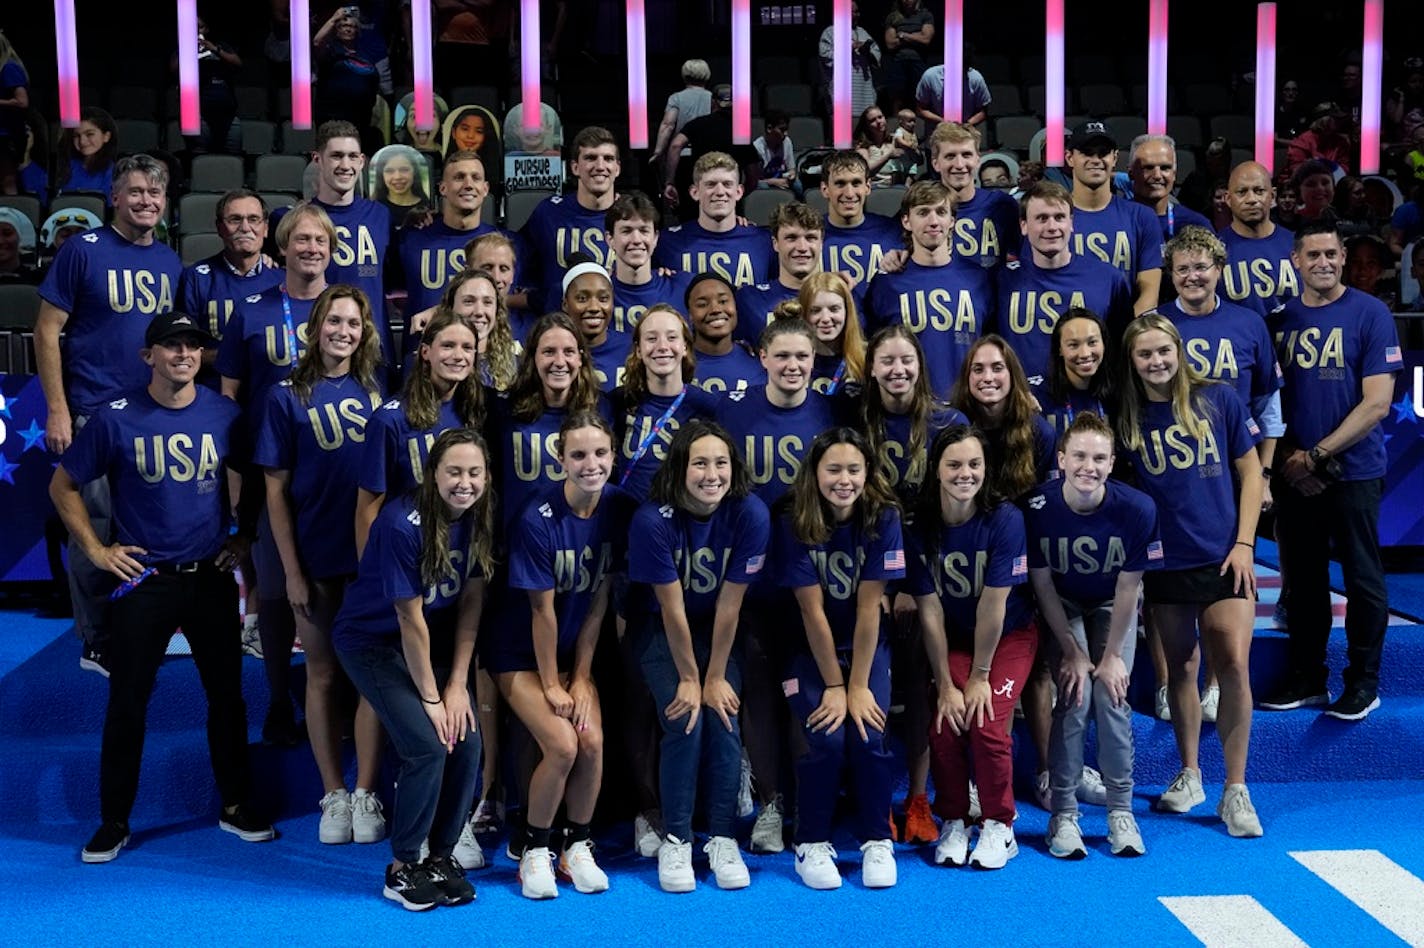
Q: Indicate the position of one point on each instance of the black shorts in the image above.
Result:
(1197, 586)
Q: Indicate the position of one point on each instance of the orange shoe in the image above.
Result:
(919, 821)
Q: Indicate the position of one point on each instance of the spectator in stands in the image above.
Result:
(346, 79)
(1352, 210)
(1323, 140)
(1366, 260)
(1314, 181)
(712, 132)
(1405, 106)
(1291, 116)
(427, 143)
(14, 101)
(400, 181)
(62, 225)
(1287, 211)
(1200, 186)
(864, 60)
(778, 157)
(692, 101)
(909, 31)
(471, 41)
(101, 292)
(1415, 303)
(93, 146)
(929, 97)
(217, 103)
(881, 151)
(1407, 224)
(1030, 173)
(1348, 93)
(1153, 171)
(996, 175)
(29, 174)
(17, 247)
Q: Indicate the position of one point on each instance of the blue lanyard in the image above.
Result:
(652, 433)
(1097, 409)
(287, 318)
(836, 378)
(1171, 220)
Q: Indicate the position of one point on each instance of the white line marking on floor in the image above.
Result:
(1230, 921)
(1387, 891)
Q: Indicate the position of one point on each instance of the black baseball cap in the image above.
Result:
(167, 326)
(1086, 133)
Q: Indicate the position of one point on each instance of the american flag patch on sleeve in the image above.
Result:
(1252, 427)
(754, 564)
(1392, 354)
(1021, 565)
(1154, 550)
(895, 559)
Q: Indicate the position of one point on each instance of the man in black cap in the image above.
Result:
(1109, 226)
(164, 448)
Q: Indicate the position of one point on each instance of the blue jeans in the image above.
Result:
(711, 751)
(435, 787)
(818, 771)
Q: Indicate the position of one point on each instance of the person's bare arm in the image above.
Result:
(666, 128)
(59, 426)
(1149, 285)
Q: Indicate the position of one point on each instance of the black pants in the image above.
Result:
(204, 605)
(1347, 515)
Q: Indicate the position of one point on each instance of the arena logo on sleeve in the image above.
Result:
(1021, 565)
(754, 564)
(895, 559)
(1154, 550)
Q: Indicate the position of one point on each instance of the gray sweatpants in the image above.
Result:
(1089, 625)
(89, 586)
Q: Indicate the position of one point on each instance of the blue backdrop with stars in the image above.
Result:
(1402, 512)
(25, 470)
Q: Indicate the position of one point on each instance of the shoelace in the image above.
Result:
(875, 851)
(679, 855)
(717, 850)
(1120, 823)
(581, 851)
(825, 849)
(1180, 783)
(367, 803)
(1237, 802)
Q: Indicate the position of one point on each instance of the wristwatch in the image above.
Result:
(1318, 455)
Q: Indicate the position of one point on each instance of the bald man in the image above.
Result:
(1259, 273)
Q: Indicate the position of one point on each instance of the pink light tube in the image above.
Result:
(953, 61)
(422, 67)
(1371, 68)
(301, 64)
(742, 72)
(188, 117)
(529, 67)
(1266, 85)
(637, 75)
(841, 70)
(66, 49)
(1053, 83)
(1157, 68)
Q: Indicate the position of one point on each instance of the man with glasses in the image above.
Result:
(101, 292)
(211, 288)
(1109, 226)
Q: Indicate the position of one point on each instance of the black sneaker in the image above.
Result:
(106, 842)
(412, 886)
(246, 826)
(1354, 705)
(91, 659)
(1294, 695)
(450, 879)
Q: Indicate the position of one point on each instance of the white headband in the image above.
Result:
(579, 269)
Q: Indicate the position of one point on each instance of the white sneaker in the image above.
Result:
(577, 865)
(1210, 701)
(1065, 838)
(1183, 793)
(1041, 793)
(953, 846)
(996, 846)
(1091, 788)
(536, 874)
(647, 833)
(877, 864)
(1163, 707)
(335, 827)
(975, 812)
(725, 858)
(675, 866)
(767, 835)
(1123, 836)
(467, 851)
(1237, 811)
(745, 804)
(816, 865)
(368, 824)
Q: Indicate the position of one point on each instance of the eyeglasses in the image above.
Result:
(1192, 269)
(236, 220)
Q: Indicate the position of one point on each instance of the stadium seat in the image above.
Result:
(487, 96)
(1016, 131)
(519, 205)
(886, 201)
(133, 102)
(84, 200)
(1005, 99)
(215, 173)
(195, 247)
(252, 102)
(791, 98)
(759, 204)
(196, 213)
(258, 137)
(1238, 129)
(26, 205)
(1102, 99)
(137, 135)
(297, 141)
(280, 173)
(769, 70)
(19, 306)
(1186, 131)
(805, 131)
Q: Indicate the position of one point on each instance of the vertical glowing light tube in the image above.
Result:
(301, 64)
(1157, 68)
(66, 49)
(637, 75)
(953, 61)
(1053, 83)
(1371, 68)
(1266, 85)
(842, 67)
(529, 66)
(422, 66)
(188, 117)
(742, 72)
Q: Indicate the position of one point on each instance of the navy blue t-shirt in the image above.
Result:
(733, 371)
(111, 289)
(1231, 344)
(166, 471)
(526, 454)
(1259, 274)
(1124, 234)
(393, 458)
(742, 255)
(431, 257)
(838, 566)
(1087, 551)
(320, 444)
(1177, 217)
(558, 228)
(363, 238)
(210, 288)
(701, 554)
(631, 302)
(255, 349)
(634, 424)
(946, 307)
(857, 251)
(1060, 412)
(903, 472)
(756, 306)
(610, 359)
(773, 441)
(986, 228)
